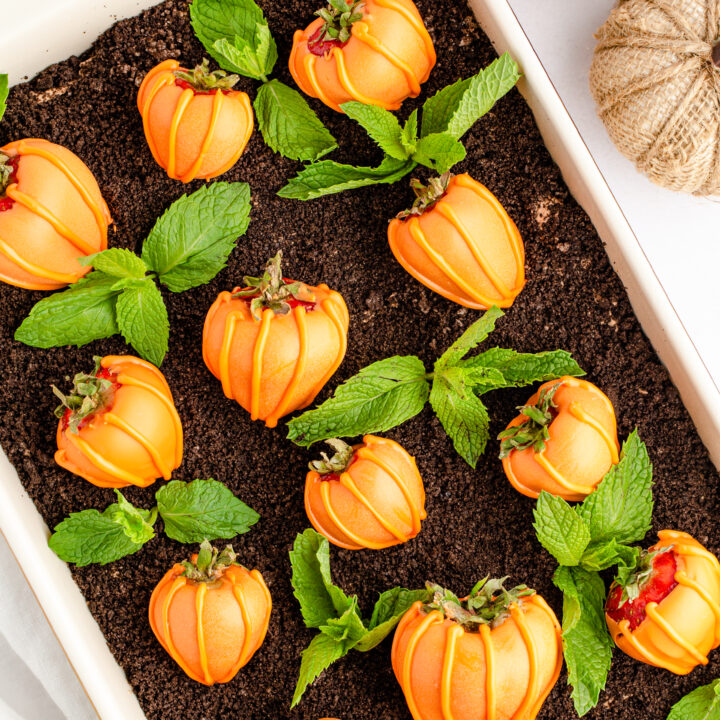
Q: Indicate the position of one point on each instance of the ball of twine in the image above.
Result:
(655, 77)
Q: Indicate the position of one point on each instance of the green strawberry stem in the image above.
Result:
(426, 195)
(204, 81)
(209, 564)
(487, 604)
(634, 578)
(336, 464)
(6, 172)
(338, 18)
(534, 431)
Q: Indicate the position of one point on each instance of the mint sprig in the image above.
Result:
(446, 117)
(586, 539)
(703, 703)
(4, 89)
(191, 512)
(187, 247)
(236, 34)
(391, 391)
(325, 606)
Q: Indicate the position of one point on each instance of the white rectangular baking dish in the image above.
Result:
(35, 42)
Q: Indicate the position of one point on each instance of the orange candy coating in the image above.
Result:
(445, 674)
(136, 440)
(582, 447)
(278, 364)
(192, 135)
(464, 247)
(211, 629)
(387, 57)
(379, 501)
(58, 215)
(678, 632)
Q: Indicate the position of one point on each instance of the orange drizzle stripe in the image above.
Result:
(60, 227)
(33, 269)
(347, 482)
(257, 576)
(540, 602)
(202, 653)
(446, 681)
(578, 412)
(430, 618)
(419, 237)
(651, 658)
(124, 379)
(105, 465)
(62, 460)
(451, 216)
(111, 361)
(361, 31)
(521, 623)
(216, 107)
(309, 62)
(652, 612)
(490, 697)
(224, 359)
(551, 470)
(257, 368)
(247, 622)
(118, 422)
(162, 80)
(367, 454)
(322, 529)
(170, 646)
(301, 320)
(349, 87)
(249, 125)
(417, 24)
(325, 495)
(102, 214)
(700, 552)
(682, 579)
(184, 100)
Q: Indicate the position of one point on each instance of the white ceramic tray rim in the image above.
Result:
(35, 42)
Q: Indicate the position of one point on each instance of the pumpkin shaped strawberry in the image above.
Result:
(494, 654)
(459, 241)
(119, 425)
(51, 213)
(195, 124)
(367, 496)
(275, 343)
(377, 52)
(211, 614)
(666, 610)
(564, 441)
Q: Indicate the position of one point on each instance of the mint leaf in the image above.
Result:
(202, 510)
(381, 125)
(322, 652)
(117, 262)
(472, 337)
(76, 316)
(621, 506)
(191, 242)
(439, 152)
(143, 320)
(607, 553)
(89, 536)
(320, 599)
(560, 530)
(519, 369)
(3, 94)
(288, 124)
(241, 24)
(409, 133)
(347, 629)
(703, 703)
(389, 608)
(327, 177)
(463, 416)
(586, 641)
(378, 398)
(456, 108)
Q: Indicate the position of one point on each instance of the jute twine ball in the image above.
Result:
(655, 76)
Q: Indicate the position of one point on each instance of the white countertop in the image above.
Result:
(679, 234)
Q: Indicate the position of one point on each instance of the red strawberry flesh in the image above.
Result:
(319, 47)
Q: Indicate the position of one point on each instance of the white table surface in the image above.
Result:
(679, 234)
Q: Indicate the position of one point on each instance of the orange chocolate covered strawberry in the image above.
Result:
(119, 425)
(459, 241)
(377, 52)
(211, 614)
(367, 496)
(666, 610)
(275, 344)
(564, 441)
(51, 213)
(195, 124)
(494, 654)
